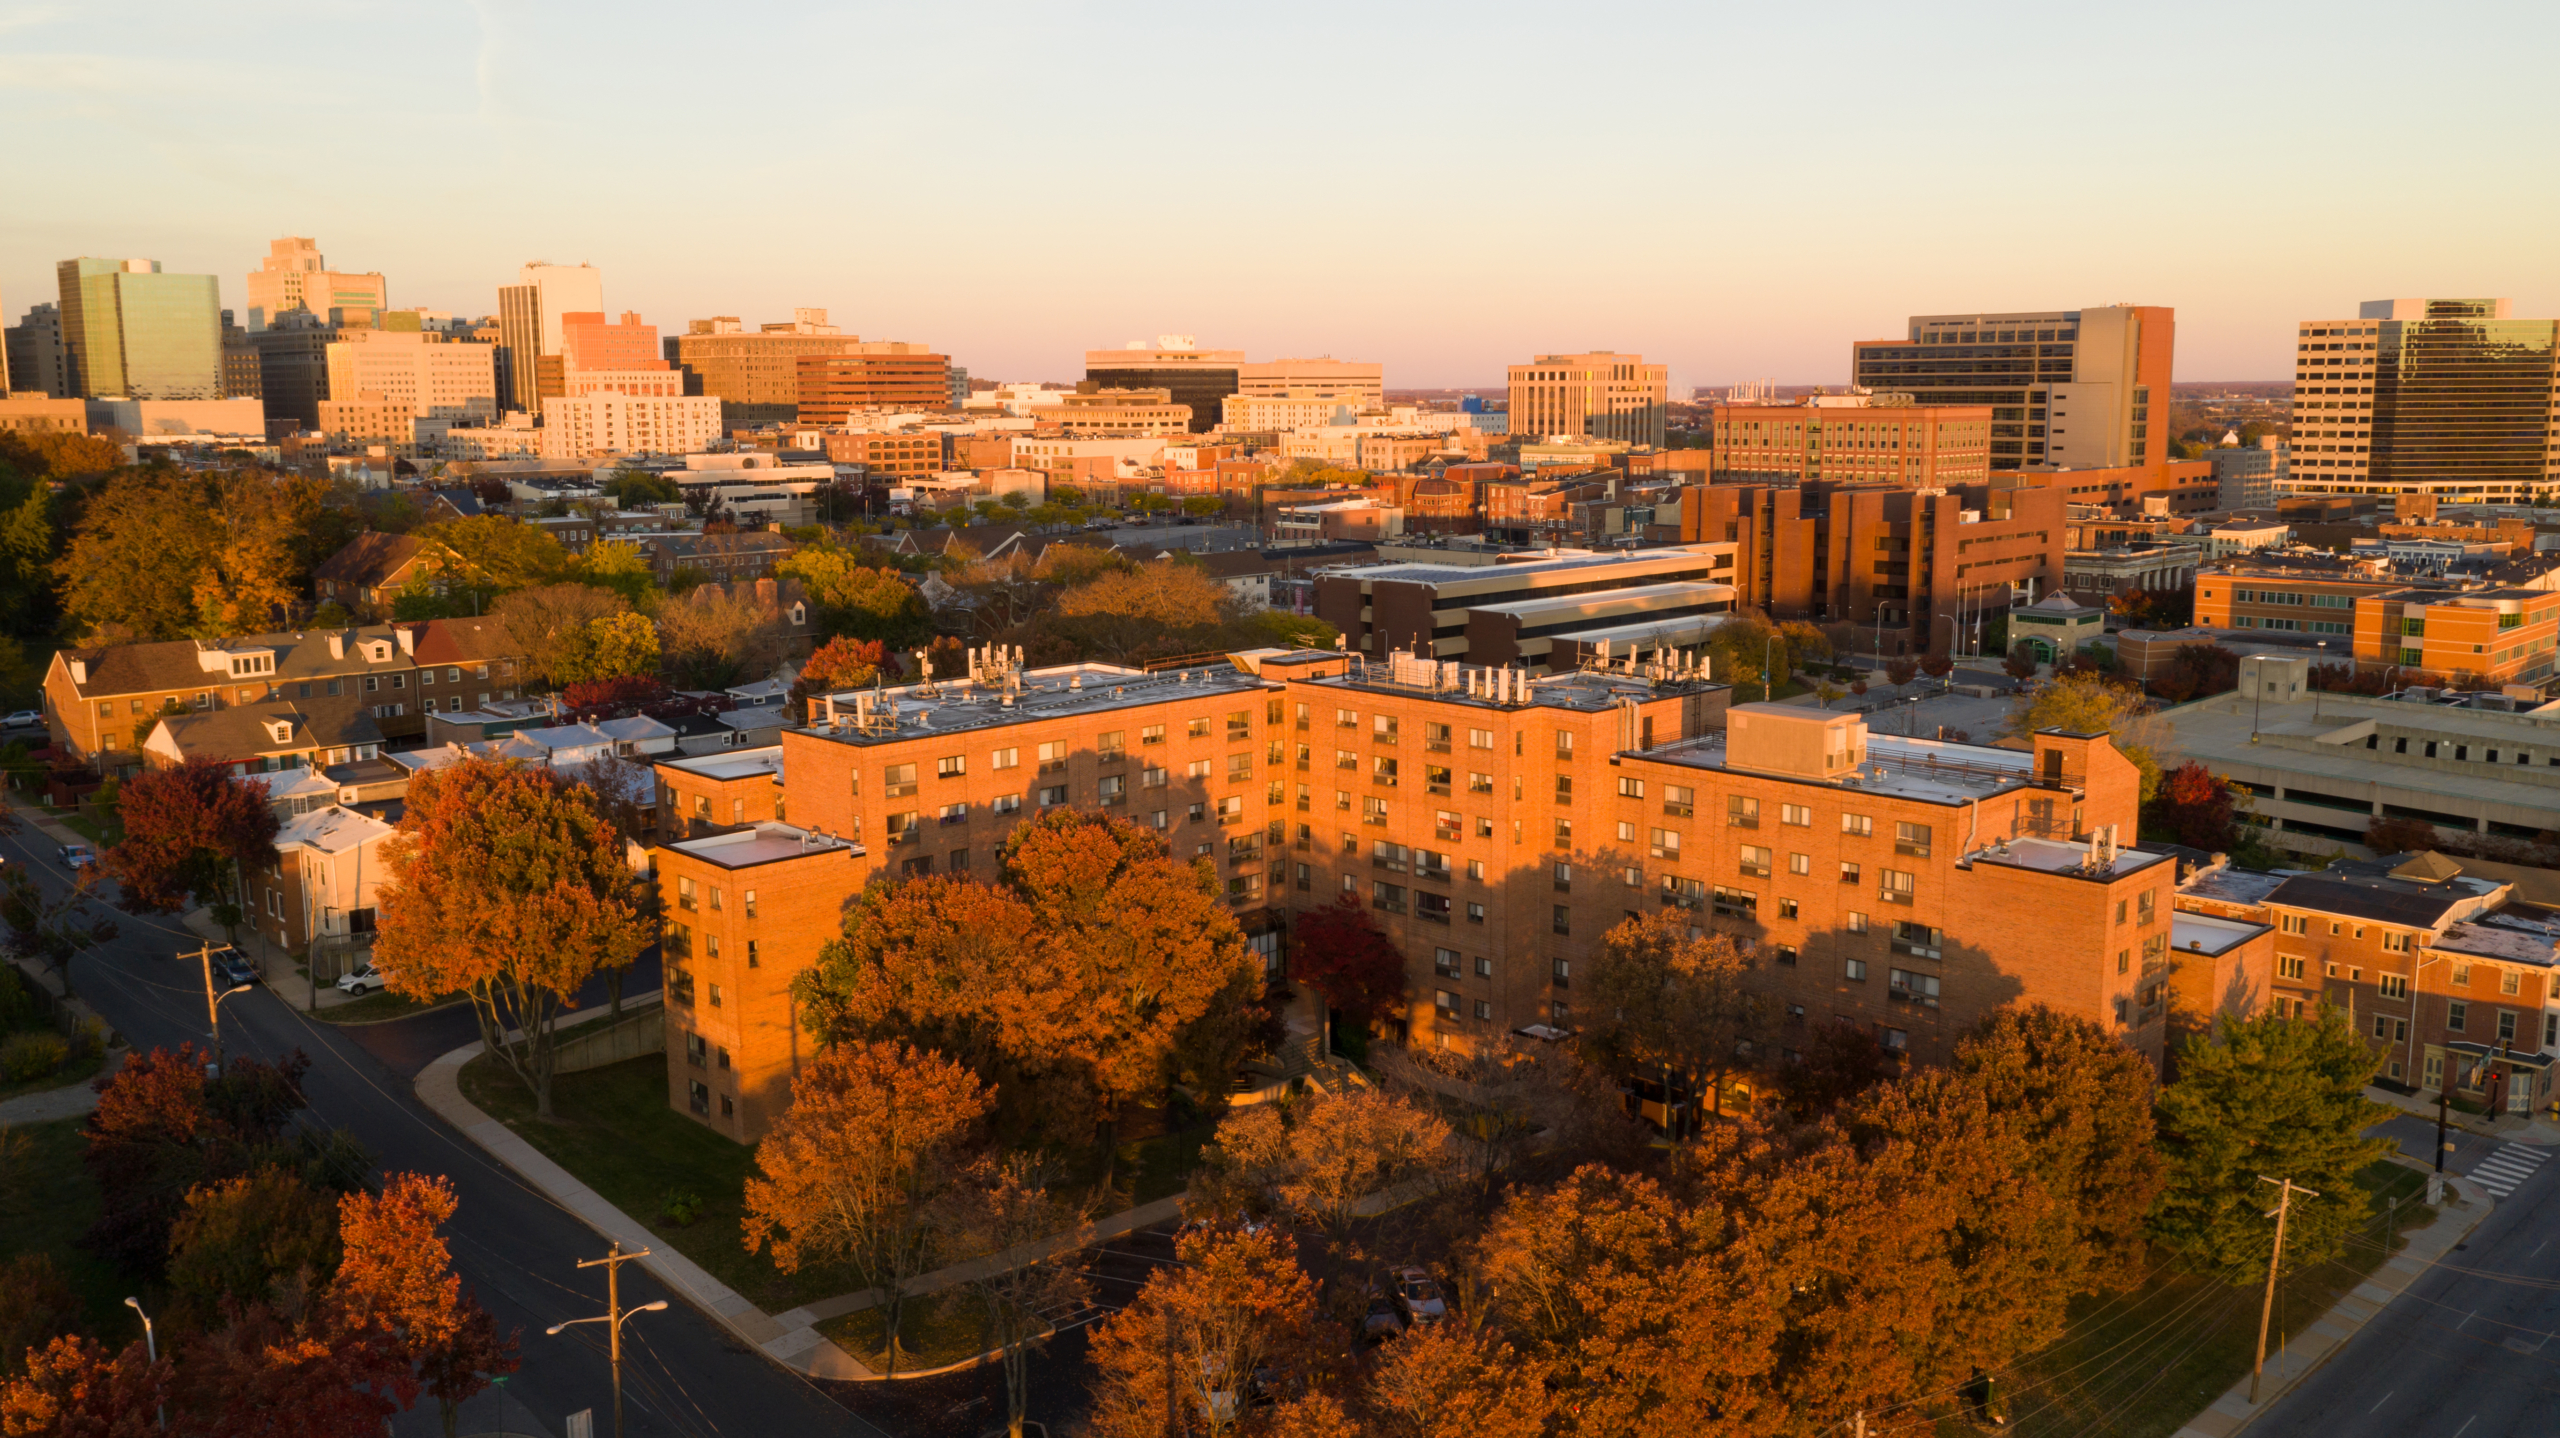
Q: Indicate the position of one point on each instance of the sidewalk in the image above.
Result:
(2469, 1203)
(2512, 1127)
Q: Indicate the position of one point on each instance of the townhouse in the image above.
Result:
(2449, 976)
(317, 895)
(1495, 823)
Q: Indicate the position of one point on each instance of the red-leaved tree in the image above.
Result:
(1342, 954)
(2197, 807)
(626, 691)
(186, 832)
(76, 1388)
(841, 663)
(398, 1276)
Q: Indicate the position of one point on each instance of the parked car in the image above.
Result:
(232, 971)
(363, 980)
(78, 856)
(1382, 1321)
(1417, 1295)
(24, 719)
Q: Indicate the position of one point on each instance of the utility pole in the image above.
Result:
(212, 1000)
(2444, 1100)
(613, 1317)
(2284, 1205)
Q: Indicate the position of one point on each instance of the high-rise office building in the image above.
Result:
(1364, 379)
(293, 367)
(242, 377)
(529, 318)
(879, 374)
(756, 377)
(296, 276)
(1599, 395)
(36, 359)
(1199, 378)
(2452, 397)
(2068, 389)
(1852, 437)
(129, 330)
(433, 377)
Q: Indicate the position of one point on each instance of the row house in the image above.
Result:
(101, 704)
(318, 894)
(2446, 974)
(716, 558)
(1495, 823)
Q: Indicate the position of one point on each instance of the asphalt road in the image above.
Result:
(2468, 1350)
(683, 1374)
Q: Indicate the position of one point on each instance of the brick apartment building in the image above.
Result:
(1902, 564)
(100, 704)
(2447, 976)
(1496, 826)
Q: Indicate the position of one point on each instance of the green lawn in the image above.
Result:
(46, 1202)
(2139, 1365)
(86, 827)
(74, 1072)
(616, 1132)
(934, 1331)
(375, 1007)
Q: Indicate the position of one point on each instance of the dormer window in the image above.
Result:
(281, 730)
(799, 615)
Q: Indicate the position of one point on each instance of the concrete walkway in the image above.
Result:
(2467, 1204)
(797, 1346)
(68, 1101)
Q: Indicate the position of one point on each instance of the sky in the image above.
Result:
(1736, 191)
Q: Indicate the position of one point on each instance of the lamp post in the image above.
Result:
(213, 1004)
(614, 1316)
(151, 1346)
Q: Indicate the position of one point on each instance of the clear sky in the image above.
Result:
(1736, 190)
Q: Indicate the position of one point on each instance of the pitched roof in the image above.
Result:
(180, 664)
(369, 559)
(332, 830)
(243, 731)
(464, 641)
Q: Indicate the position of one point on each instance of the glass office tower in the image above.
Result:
(129, 330)
(2462, 400)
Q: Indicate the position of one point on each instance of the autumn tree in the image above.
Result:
(853, 1170)
(1004, 1215)
(712, 639)
(2266, 1097)
(507, 884)
(838, 665)
(2197, 808)
(1123, 610)
(2083, 1103)
(1835, 1063)
(615, 697)
(397, 1277)
(1937, 665)
(243, 1239)
(293, 1370)
(1455, 1379)
(1515, 1094)
(856, 600)
(188, 833)
(2088, 703)
(2396, 835)
(492, 554)
(1340, 952)
(160, 554)
(1669, 1000)
(618, 646)
(640, 488)
(551, 625)
(162, 1129)
(37, 1306)
(52, 928)
(1235, 1312)
(2021, 664)
(75, 1387)
(1322, 1156)
(1899, 671)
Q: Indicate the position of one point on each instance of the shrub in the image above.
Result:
(17, 1004)
(680, 1207)
(30, 1056)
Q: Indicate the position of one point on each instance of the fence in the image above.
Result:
(642, 1029)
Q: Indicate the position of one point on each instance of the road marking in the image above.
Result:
(2466, 1425)
(2537, 1248)
(2385, 1399)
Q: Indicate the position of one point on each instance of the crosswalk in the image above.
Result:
(2511, 1165)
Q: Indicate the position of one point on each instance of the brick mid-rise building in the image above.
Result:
(1495, 823)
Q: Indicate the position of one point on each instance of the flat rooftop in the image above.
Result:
(760, 844)
(731, 764)
(2061, 856)
(969, 706)
(1582, 690)
(1415, 571)
(2328, 753)
(2207, 934)
(1934, 771)
(1677, 593)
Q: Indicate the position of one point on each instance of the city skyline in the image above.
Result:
(1359, 212)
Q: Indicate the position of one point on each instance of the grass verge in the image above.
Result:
(375, 1008)
(2141, 1364)
(935, 1330)
(614, 1129)
(76, 1071)
(46, 1203)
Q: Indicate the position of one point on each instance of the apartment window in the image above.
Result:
(1911, 839)
(1859, 824)
(1240, 724)
(1384, 727)
(1630, 787)
(901, 781)
(1854, 970)
(1796, 815)
(1741, 811)
(1053, 796)
(1848, 873)
(1196, 729)
(1563, 921)
(1435, 737)
(1564, 788)
(2398, 943)
(1857, 922)
(2462, 975)
(1112, 745)
(2293, 924)
(2395, 986)
(950, 766)
(1480, 739)
(1005, 759)
(1911, 987)
(2510, 981)
(1387, 897)
(1564, 743)
(2289, 966)
(1666, 844)
(2506, 1026)
(1679, 800)
(684, 893)
(1444, 962)
(1239, 766)
(1897, 885)
(1475, 913)
(2455, 1014)
(1053, 757)
(1484, 1009)
(1736, 903)
(1755, 861)
(1564, 878)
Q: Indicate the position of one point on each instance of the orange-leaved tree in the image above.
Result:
(852, 1172)
(1190, 1349)
(1668, 1000)
(77, 1386)
(397, 1276)
(1028, 1277)
(507, 884)
(1324, 1156)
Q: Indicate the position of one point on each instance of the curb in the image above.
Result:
(321, 1016)
(798, 1347)
(2326, 1337)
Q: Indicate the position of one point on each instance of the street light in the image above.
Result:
(614, 1316)
(151, 1346)
(213, 1005)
